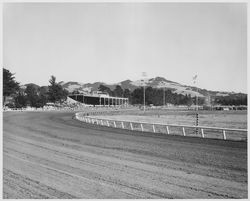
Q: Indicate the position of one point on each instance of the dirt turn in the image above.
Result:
(51, 155)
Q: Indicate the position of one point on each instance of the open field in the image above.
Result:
(51, 155)
(224, 119)
(221, 119)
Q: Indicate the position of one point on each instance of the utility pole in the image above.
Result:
(144, 74)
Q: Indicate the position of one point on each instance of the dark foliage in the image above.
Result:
(20, 100)
(155, 96)
(56, 92)
(105, 89)
(127, 94)
(234, 99)
(32, 95)
(35, 96)
(152, 96)
(10, 86)
(118, 91)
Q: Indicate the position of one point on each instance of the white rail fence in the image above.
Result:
(169, 129)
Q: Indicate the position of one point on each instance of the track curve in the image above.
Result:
(51, 155)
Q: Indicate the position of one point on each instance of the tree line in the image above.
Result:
(33, 95)
(155, 96)
(152, 96)
(36, 96)
(235, 99)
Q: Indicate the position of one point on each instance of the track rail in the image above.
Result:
(195, 131)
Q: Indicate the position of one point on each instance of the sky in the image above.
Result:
(112, 42)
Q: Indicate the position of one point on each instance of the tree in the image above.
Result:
(10, 86)
(150, 97)
(56, 93)
(118, 91)
(76, 92)
(20, 100)
(154, 96)
(137, 96)
(43, 95)
(105, 89)
(32, 95)
(127, 94)
(189, 100)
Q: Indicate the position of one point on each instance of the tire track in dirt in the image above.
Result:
(95, 175)
(61, 157)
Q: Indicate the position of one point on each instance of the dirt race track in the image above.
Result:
(51, 155)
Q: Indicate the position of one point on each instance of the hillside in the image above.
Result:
(175, 93)
(157, 82)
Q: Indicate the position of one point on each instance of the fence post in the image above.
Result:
(197, 123)
(92, 120)
(183, 129)
(167, 130)
(131, 125)
(202, 133)
(141, 127)
(224, 135)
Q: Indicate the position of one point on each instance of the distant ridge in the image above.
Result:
(157, 82)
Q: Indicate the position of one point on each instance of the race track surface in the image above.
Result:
(51, 155)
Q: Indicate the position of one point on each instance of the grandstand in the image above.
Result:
(99, 98)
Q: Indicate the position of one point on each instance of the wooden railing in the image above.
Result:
(185, 130)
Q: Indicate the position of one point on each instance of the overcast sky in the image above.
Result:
(111, 42)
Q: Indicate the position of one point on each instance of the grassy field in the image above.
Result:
(222, 119)
(225, 119)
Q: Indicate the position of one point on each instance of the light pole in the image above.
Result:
(164, 97)
(144, 74)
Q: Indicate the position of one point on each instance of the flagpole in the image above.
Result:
(144, 74)
(196, 95)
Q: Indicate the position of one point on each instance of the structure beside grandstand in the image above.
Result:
(99, 98)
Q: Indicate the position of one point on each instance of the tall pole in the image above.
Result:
(144, 74)
(144, 107)
(196, 96)
(163, 96)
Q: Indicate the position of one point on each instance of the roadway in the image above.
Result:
(51, 155)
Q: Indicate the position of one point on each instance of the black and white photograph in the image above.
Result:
(124, 100)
